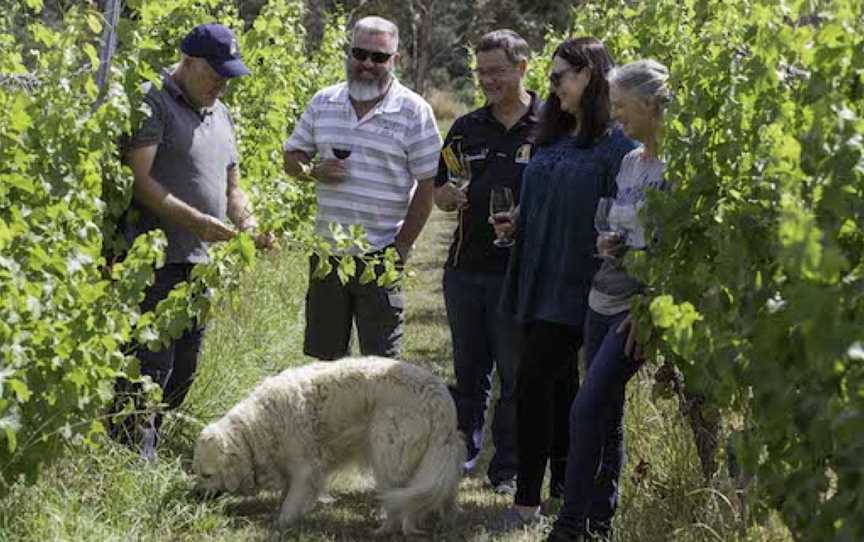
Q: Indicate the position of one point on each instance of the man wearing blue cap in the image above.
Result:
(185, 164)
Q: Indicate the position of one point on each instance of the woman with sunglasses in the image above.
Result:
(552, 263)
(639, 95)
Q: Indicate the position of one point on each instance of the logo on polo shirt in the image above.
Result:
(523, 155)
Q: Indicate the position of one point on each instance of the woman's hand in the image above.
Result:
(611, 245)
(632, 348)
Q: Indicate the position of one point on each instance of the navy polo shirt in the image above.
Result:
(498, 157)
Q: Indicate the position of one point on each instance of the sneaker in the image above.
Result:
(505, 487)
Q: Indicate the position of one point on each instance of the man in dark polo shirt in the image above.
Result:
(185, 164)
(497, 142)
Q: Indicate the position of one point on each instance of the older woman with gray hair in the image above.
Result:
(639, 94)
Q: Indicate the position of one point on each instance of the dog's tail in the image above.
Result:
(435, 483)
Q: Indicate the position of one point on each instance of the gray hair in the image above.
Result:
(647, 79)
(376, 25)
(513, 45)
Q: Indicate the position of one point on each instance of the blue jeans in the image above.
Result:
(483, 338)
(596, 452)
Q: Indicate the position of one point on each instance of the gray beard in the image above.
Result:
(367, 91)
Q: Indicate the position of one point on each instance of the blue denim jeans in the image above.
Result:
(596, 452)
(483, 338)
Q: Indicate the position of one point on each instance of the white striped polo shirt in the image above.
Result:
(393, 146)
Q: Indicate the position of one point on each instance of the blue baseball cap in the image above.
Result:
(217, 45)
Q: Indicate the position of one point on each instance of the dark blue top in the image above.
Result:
(552, 263)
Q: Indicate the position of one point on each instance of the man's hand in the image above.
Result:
(450, 198)
(211, 230)
(330, 170)
(505, 230)
(632, 349)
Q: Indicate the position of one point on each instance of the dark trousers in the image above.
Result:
(483, 338)
(172, 367)
(597, 429)
(546, 382)
(332, 308)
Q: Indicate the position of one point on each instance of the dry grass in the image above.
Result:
(108, 494)
(445, 105)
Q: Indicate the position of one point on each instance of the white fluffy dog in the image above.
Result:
(299, 427)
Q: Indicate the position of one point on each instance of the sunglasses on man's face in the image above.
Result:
(377, 57)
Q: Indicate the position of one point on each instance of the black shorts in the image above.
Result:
(332, 308)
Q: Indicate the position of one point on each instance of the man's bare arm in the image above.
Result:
(240, 211)
(152, 195)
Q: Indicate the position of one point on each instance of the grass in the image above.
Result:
(108, 494)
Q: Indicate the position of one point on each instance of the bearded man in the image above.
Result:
(377, 147)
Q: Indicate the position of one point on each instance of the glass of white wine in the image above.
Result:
(609, 235)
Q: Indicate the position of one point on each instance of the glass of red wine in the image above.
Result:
(341, 154)
(501, 207)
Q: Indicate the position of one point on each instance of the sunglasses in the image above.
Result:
(377, 57)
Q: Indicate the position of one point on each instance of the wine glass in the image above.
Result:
(607, 232)
(461, 178)
(501, 207)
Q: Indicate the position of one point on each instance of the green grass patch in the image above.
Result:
(109, 494)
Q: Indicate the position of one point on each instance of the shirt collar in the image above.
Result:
(169, 84)
(532, 116)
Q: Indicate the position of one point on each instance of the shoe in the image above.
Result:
(512, 519)
(505, 487)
